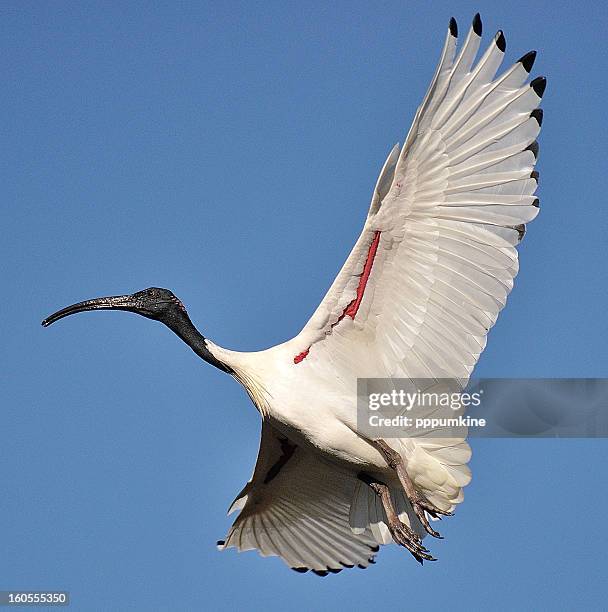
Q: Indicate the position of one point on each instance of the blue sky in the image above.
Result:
(227, 151)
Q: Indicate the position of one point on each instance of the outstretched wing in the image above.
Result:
(296, 506)
(436, 258)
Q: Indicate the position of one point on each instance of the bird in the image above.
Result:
(415, 299)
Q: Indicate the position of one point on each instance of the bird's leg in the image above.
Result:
(420, 504)
(400, 532)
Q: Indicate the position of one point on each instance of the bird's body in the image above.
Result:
(415, 299)
(327, 424)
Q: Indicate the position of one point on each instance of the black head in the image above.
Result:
(152, 303)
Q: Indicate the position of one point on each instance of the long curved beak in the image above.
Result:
(113, 302)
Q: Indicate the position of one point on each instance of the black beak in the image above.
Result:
(114, 302)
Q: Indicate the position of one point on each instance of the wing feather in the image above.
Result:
(302, 513)
(461, 193)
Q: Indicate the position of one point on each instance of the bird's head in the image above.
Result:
(152, 303)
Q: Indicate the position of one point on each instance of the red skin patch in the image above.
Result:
(353, 307)
(301, 356)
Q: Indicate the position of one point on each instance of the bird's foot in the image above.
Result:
(406, 537)
(422, 506)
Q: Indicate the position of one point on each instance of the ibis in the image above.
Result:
(416, 297)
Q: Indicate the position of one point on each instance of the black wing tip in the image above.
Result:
(453, 27)
(536, 203)
(537, 114)
(527, 60)
(521, 230)
(322, 573)
(477, 26)
(221, 542)
(538, 85)
(533, 148)
(534, 175)
(500, 40)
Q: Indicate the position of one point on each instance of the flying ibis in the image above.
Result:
(416, 297)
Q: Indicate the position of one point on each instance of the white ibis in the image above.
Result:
(416, 297)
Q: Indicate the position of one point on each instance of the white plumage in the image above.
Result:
(437, 257)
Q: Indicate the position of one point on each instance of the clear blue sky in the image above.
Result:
(227, 151)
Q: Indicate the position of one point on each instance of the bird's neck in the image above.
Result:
(183, 327)
(235, 363)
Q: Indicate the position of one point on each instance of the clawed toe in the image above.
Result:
(407, 538)
(422, 506)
